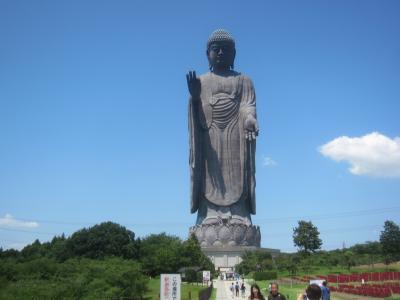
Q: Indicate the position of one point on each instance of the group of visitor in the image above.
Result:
(238, 287)
(313, 292)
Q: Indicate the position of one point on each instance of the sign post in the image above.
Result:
(206, 277)
(170, 287)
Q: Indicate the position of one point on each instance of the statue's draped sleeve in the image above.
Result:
(195, 155)
(248, 148)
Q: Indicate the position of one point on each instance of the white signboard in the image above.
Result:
(170, 287)
(317, 281)
(206, 276)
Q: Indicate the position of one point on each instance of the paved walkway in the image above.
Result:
(224, 293)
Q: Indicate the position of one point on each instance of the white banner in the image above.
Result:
(317, 281)
(170, 287)
(206, 276)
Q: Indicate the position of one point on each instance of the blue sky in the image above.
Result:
(93, 114)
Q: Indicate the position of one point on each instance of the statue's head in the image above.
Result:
(221, 50)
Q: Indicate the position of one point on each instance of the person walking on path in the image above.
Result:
(326, 292)
(232, 288)
(243, 290)
(237, 289)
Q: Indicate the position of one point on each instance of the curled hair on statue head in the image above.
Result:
(220, 35)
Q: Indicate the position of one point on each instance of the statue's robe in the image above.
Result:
(222, 161)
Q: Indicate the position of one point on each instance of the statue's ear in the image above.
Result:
(233, 58)
(208, 58)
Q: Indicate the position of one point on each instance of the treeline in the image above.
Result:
(104, 261)
(368, 253)
(360, 254)
(310, 258)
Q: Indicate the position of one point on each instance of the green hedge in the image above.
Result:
(265, 275)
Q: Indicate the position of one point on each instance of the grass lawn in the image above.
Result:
(378, 267)
(214, 294)
(291, 292)
(186, 288)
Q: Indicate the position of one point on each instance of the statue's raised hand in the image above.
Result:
(194, 84)
(251, 128)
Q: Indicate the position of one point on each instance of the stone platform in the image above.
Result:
(226, 258)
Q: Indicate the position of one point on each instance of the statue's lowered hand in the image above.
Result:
(194, 84)
(251, 127)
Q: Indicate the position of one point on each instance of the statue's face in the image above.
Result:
(221, 55)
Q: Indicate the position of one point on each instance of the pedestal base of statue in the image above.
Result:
(225, 259)
(225, 243)
(227, 235)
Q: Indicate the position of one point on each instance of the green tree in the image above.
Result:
(292, 267)
(190, 275)
(390, 240)
(333, 258)
(191, 252)
(34, 250)
(192, 256)
(76, 278)
(288, 262)
(255, 261)
(367, 248)
(9, 253)
(306, 237)
(348, 259)
(58, 248)
(247, 265)
(160, 253)
(105, 239)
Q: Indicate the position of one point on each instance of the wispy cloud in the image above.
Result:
(11, 222)
(373, 154)
(268, 162)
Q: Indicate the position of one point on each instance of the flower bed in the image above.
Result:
(363, 290)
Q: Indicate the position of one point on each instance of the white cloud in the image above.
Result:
(268, 161)
(9, 221)
(373, 154)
